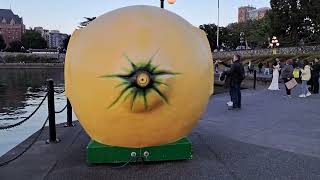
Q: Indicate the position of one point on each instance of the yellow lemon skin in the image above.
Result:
(138, 32)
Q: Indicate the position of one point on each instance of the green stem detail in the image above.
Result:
(130, 82)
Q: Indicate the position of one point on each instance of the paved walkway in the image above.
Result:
(269, 119)
(272, 137)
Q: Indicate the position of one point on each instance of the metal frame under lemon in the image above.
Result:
(139, 81)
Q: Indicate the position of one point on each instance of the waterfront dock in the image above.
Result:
(272, 137)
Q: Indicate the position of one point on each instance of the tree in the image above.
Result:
(32, 39)
(15, 46)
(211, 31)
(259, 31)
(2, 43)
(86, 22)
(66, 42)
(296, 20)
(292, 21)
(310, 27)
(256, 34)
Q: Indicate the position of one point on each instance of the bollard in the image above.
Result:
(162, 4)
(51, 113)
(69, 114)
(254, 79)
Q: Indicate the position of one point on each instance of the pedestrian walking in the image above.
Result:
(216, 66)
(287, 75)
(250, 67)
(305, 77)
(260, 66)
(315, 76)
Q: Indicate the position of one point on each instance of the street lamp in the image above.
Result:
(169, 1)
(274, 44)
(218, 25)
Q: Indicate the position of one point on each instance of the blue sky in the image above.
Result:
(65, 15)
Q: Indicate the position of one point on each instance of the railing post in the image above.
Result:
(51, 113)
(69, 114)
(254, 79)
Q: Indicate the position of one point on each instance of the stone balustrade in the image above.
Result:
(268, 52)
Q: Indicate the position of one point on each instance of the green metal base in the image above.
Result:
(99, 153)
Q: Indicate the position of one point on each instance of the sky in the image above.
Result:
(65, 15)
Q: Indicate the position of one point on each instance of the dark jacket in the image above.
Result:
(287, 72)
(226, 78)
(236, 73)
(315, 70)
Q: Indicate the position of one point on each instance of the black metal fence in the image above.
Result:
(50, 118)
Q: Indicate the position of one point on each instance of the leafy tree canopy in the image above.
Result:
(2, 43)
(15, 46)
(86, 22)
(66, 42)
(32, 39)
(293, 22)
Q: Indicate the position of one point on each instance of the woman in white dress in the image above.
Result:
(274, 86)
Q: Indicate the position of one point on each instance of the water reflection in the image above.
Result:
(21, 91)
(22, 87)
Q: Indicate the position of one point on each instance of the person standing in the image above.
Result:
(250, 67)
(274, 86)
(237, 75)
(260, 66)
(315, 76)
(305, 77)
(287, 75)
(224, 76)
(216, 66)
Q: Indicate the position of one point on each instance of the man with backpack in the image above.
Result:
(237, 75)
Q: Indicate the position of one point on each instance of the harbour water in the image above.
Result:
(21, 91)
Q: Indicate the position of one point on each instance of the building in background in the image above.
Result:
(42, 31)
(243, 13)
(246, 13)
(11, 26)
(54, 38)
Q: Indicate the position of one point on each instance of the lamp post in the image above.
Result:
(274, 44)
(218, 26)
(169, 1)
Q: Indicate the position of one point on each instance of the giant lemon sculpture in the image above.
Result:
(138, 76)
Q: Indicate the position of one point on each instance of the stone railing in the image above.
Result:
(268, 52)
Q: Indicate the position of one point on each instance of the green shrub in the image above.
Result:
(9, 59)
(27, 58)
